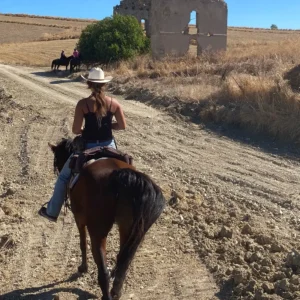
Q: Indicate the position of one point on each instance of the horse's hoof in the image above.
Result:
(115, 295)
(83, 269)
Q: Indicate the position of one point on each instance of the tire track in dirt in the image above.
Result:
(40, 152)
(36, 87)
(23, 155)
(52, 236)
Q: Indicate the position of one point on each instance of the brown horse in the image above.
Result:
(110, 191)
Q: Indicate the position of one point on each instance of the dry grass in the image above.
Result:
(29, 28)
(262, 103)
(254, 84)
(18, 33)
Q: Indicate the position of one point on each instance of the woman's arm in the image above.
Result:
(78, 119)
(119, 115)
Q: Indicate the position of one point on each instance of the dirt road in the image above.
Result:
(216, 181)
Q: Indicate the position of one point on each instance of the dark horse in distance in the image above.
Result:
(111, 191)
(75, 63)
(56, 63)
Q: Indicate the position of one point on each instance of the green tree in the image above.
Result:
(112, 39)
(274, 27)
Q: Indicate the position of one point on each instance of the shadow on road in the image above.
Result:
(55, 74)
(38, 293)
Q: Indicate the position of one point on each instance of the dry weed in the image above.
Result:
(249, 85)
(261, 103)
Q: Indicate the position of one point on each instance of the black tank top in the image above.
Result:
(98, 128)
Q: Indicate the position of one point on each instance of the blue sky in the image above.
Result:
(255, 13)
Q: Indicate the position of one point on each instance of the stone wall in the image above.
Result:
(170, 18)
(166, 22)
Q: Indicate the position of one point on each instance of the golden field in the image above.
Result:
(45, 21)
(254, 84)
(32, 40)
(19, 35)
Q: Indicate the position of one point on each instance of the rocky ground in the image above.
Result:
(230, 231)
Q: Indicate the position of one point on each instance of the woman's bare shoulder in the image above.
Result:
(112, 103)
(83, 101)
(112, 100)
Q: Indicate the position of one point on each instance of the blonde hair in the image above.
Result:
(98, 92)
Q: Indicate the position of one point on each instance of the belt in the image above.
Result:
(97, 141)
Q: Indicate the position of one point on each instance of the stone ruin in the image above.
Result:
(167, 24)
(138, 8)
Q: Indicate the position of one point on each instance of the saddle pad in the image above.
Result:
(75, 177)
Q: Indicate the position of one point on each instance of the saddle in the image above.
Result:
(78, 161)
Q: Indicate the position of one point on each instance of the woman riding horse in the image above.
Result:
(97, 110)
(63, 55)
(108, 191)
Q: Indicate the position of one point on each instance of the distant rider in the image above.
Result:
(76, 54)
(62, 55)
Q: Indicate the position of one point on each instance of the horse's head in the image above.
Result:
(62, 152)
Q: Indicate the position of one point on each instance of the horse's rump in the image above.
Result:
(132, 194)
(119, 181)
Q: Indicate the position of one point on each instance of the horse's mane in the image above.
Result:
(62, 152)
(65, 144)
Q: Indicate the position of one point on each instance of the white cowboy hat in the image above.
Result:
(97, 75)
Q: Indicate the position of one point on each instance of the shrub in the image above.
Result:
(274, 27)
(113, 39)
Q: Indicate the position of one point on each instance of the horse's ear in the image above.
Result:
(52, 147)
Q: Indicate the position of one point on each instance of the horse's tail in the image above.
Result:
(147, 203)
(52, 64)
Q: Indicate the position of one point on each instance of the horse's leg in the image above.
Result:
(99, 254)
(124, 259)
(83, 268)
(124, 231)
